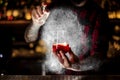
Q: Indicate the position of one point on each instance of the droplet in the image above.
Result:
(2, 74)
(1, 55)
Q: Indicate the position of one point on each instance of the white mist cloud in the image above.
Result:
(63, 26)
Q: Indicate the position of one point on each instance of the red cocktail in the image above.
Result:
(61, 46)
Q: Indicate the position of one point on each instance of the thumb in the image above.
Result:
(71, 52)
(63, 56)
(44, 5)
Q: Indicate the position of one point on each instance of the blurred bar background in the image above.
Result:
(19, 57)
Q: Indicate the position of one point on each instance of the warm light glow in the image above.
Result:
(41, 47)
(117, 38)
(15, 13)
(65, 44)
(31, 45)
(48, 1)
(9, 13)
(38, 49)
(111, 15)
(1, 1)
(118, 14)
(22, 2)
(15, 53)
(117, 28)
(44, 50)
(109, 53)
(41, 43)
(31, 51)
(28, 16)
(116, 46)
(6, 3)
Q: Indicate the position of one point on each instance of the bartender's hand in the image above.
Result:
(40, 15)
(65, 60)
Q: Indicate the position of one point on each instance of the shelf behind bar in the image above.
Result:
(26, 21)
(14, 22)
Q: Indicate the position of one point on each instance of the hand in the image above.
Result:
(65, 60)
(40, 15)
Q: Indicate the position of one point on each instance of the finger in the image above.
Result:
(43, 7)
(34, 14)
(73, 57)
(71, 52)
(58, 55)
(63, 56)
(55, 53)
(66, 62)
(39, 11)
(60, 58)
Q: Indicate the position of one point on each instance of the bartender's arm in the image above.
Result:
(39, 17)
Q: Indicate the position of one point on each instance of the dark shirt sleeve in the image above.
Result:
(99, 43)
(101, 35)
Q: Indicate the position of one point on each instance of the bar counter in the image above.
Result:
(60, 77)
